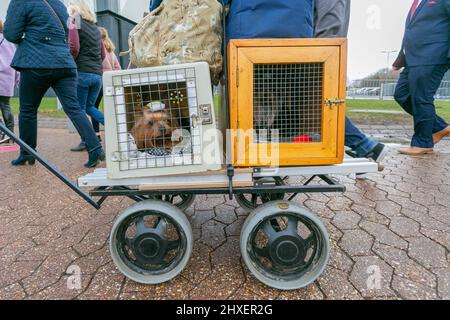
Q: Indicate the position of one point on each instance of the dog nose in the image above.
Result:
(162, 128)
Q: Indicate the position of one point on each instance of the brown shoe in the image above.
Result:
(438, 136)
(415, 151)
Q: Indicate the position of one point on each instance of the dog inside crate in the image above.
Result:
(287, 102)
(158, 118)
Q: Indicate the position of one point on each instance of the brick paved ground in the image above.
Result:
(398, 221)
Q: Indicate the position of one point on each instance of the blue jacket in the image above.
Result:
(249, 19)
(427, 34)
(41, 40)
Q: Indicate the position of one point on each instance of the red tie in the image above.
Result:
(414, 8)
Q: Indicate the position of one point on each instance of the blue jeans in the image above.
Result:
(89, 86)
(360, 144)
(34, 83)
(415, 93)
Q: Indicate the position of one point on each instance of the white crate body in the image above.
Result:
(184, 91)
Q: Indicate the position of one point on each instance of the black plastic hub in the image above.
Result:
(150, 248)
(287, 250)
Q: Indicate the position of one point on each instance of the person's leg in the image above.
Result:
(82, 94)
(360, 144)
(2, 135)
(95, 85)
(82, 90)
(65, 87)
(424, 82)
(403, 97)
(402, 94)
(7, 114)
(33, 86)
(95, 124)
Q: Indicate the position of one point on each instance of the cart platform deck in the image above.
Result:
(242, 178)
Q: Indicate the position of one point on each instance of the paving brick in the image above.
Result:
(335, 285)
(427, 252)
(404, 266)
(382, 234)
(225, 214)
(404, 227)
(372, 277)
(356, 242)
(443, 276)
(411, 290)
(346, 220)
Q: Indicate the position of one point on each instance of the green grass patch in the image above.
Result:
(48, 107)
(442, 109)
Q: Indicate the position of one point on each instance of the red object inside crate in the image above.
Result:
(302, 139)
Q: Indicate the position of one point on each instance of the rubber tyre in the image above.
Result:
(276, 208)
(173, 212)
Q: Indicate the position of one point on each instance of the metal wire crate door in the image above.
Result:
(287, 103)
(156, 114)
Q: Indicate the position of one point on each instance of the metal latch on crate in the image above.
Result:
(205, 113)
(334, 102)
(203, 117)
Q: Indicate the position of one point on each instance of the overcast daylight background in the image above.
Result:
(375, 26)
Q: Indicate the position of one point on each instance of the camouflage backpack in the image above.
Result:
(180, 31)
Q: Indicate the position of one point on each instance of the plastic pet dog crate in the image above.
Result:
(160, 121)
(287, 101)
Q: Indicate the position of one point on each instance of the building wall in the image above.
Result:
(131, 9)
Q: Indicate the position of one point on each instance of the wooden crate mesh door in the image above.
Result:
(286, 100)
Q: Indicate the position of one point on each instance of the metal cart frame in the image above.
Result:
(288, 260)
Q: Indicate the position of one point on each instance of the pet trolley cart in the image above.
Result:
(286, 97)
(283, 244)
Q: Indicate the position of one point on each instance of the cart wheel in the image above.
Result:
(284, 245)
(151, 242)
(250, 202)
(182, 201)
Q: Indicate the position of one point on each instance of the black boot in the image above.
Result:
(95, 157)
(23, 159)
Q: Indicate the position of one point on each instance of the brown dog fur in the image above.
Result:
(154, 130)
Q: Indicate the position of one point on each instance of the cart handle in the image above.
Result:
(230, 167)
(49, 166)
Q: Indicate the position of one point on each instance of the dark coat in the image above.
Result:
(427, 35)
(41, 38)
(270, 19)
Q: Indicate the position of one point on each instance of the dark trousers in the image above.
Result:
(34, 83)
(415, 93)
(5, 108)
(360, 144)
(95, 123)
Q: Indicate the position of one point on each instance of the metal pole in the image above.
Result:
(49, 167)
(230, 167)
(388, 54)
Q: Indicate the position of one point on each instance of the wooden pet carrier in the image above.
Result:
(287, 101)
